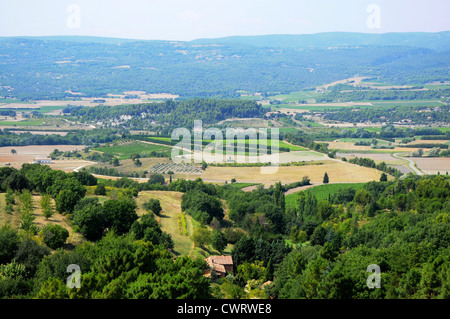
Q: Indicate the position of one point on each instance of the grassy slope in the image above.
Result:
(13, 219)
(322, 192)
(123, 151)
(171, 205)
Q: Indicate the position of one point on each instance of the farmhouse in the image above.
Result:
(221, 265)
(42, 161)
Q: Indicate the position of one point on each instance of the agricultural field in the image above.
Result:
(13, 219)
(173, 221)
(281, 144)
(128, 165)
(171, 209)
(321, 192)
(295, 97)
(41, 132)
(124, 149)
(377, 157)
(432, 165)
(27, 154)
(339, 172)
(27, 122)
(351, 147)
(163, 168)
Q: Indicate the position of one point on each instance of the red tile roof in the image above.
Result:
(219, 262)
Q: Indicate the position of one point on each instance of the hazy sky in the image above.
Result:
(192, 19)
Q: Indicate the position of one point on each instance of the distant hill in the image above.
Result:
(48, 67)
(75, 38)
(439, 41)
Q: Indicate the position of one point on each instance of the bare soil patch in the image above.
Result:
(337, 172)
(27, 154)
(432, 165)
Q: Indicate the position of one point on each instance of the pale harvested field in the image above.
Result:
(350, 124)
(354, 80)
(61, 133)
(282, 158)
(432, 165)
(112, 100)
(27, 154)
(338, 172)
(69, 165)
(428, 142)
(352, 147)
(377, 157)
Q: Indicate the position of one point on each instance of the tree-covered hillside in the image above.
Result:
(316, 249)
(170, 113)
(34, 68)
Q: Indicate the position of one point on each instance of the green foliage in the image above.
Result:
(46, 206)
(26, 201)
(86, 137)
(406, 235)
(9, 243)
(13, 270)
(54, 236)
(325, 178)
(29, 253)
(201, 237)
(156, 179)
(65, 201)
(218, 240)
(202, 206)
(248, 63)
(148, 229)
(100, 190)
(89, 218)
(120, 214)
(393, 114)
(153, 205)
(367, 162)
(174, 113)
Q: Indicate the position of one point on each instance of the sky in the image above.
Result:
(186, 20)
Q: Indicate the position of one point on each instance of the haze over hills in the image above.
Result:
(439, 41)
(47, 67)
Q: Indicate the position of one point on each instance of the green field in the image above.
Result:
(167, 140)
(125, 149)
(444, 129)
(42, 109)
(403, 103)
(322, 192)
(367, 128)
(29, 122)
(296, 96)
(242, 185)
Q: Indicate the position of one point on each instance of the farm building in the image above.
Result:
(221, 265)
(42, 161)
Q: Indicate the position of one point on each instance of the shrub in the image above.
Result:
(54, 236)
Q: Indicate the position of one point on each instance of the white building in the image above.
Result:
(42, 161)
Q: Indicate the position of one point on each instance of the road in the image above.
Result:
(411, 164)
(87, 164)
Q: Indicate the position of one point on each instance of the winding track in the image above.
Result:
(411, 164)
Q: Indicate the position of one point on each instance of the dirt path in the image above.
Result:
(84, 165)
(411, 164)
(301, 188)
